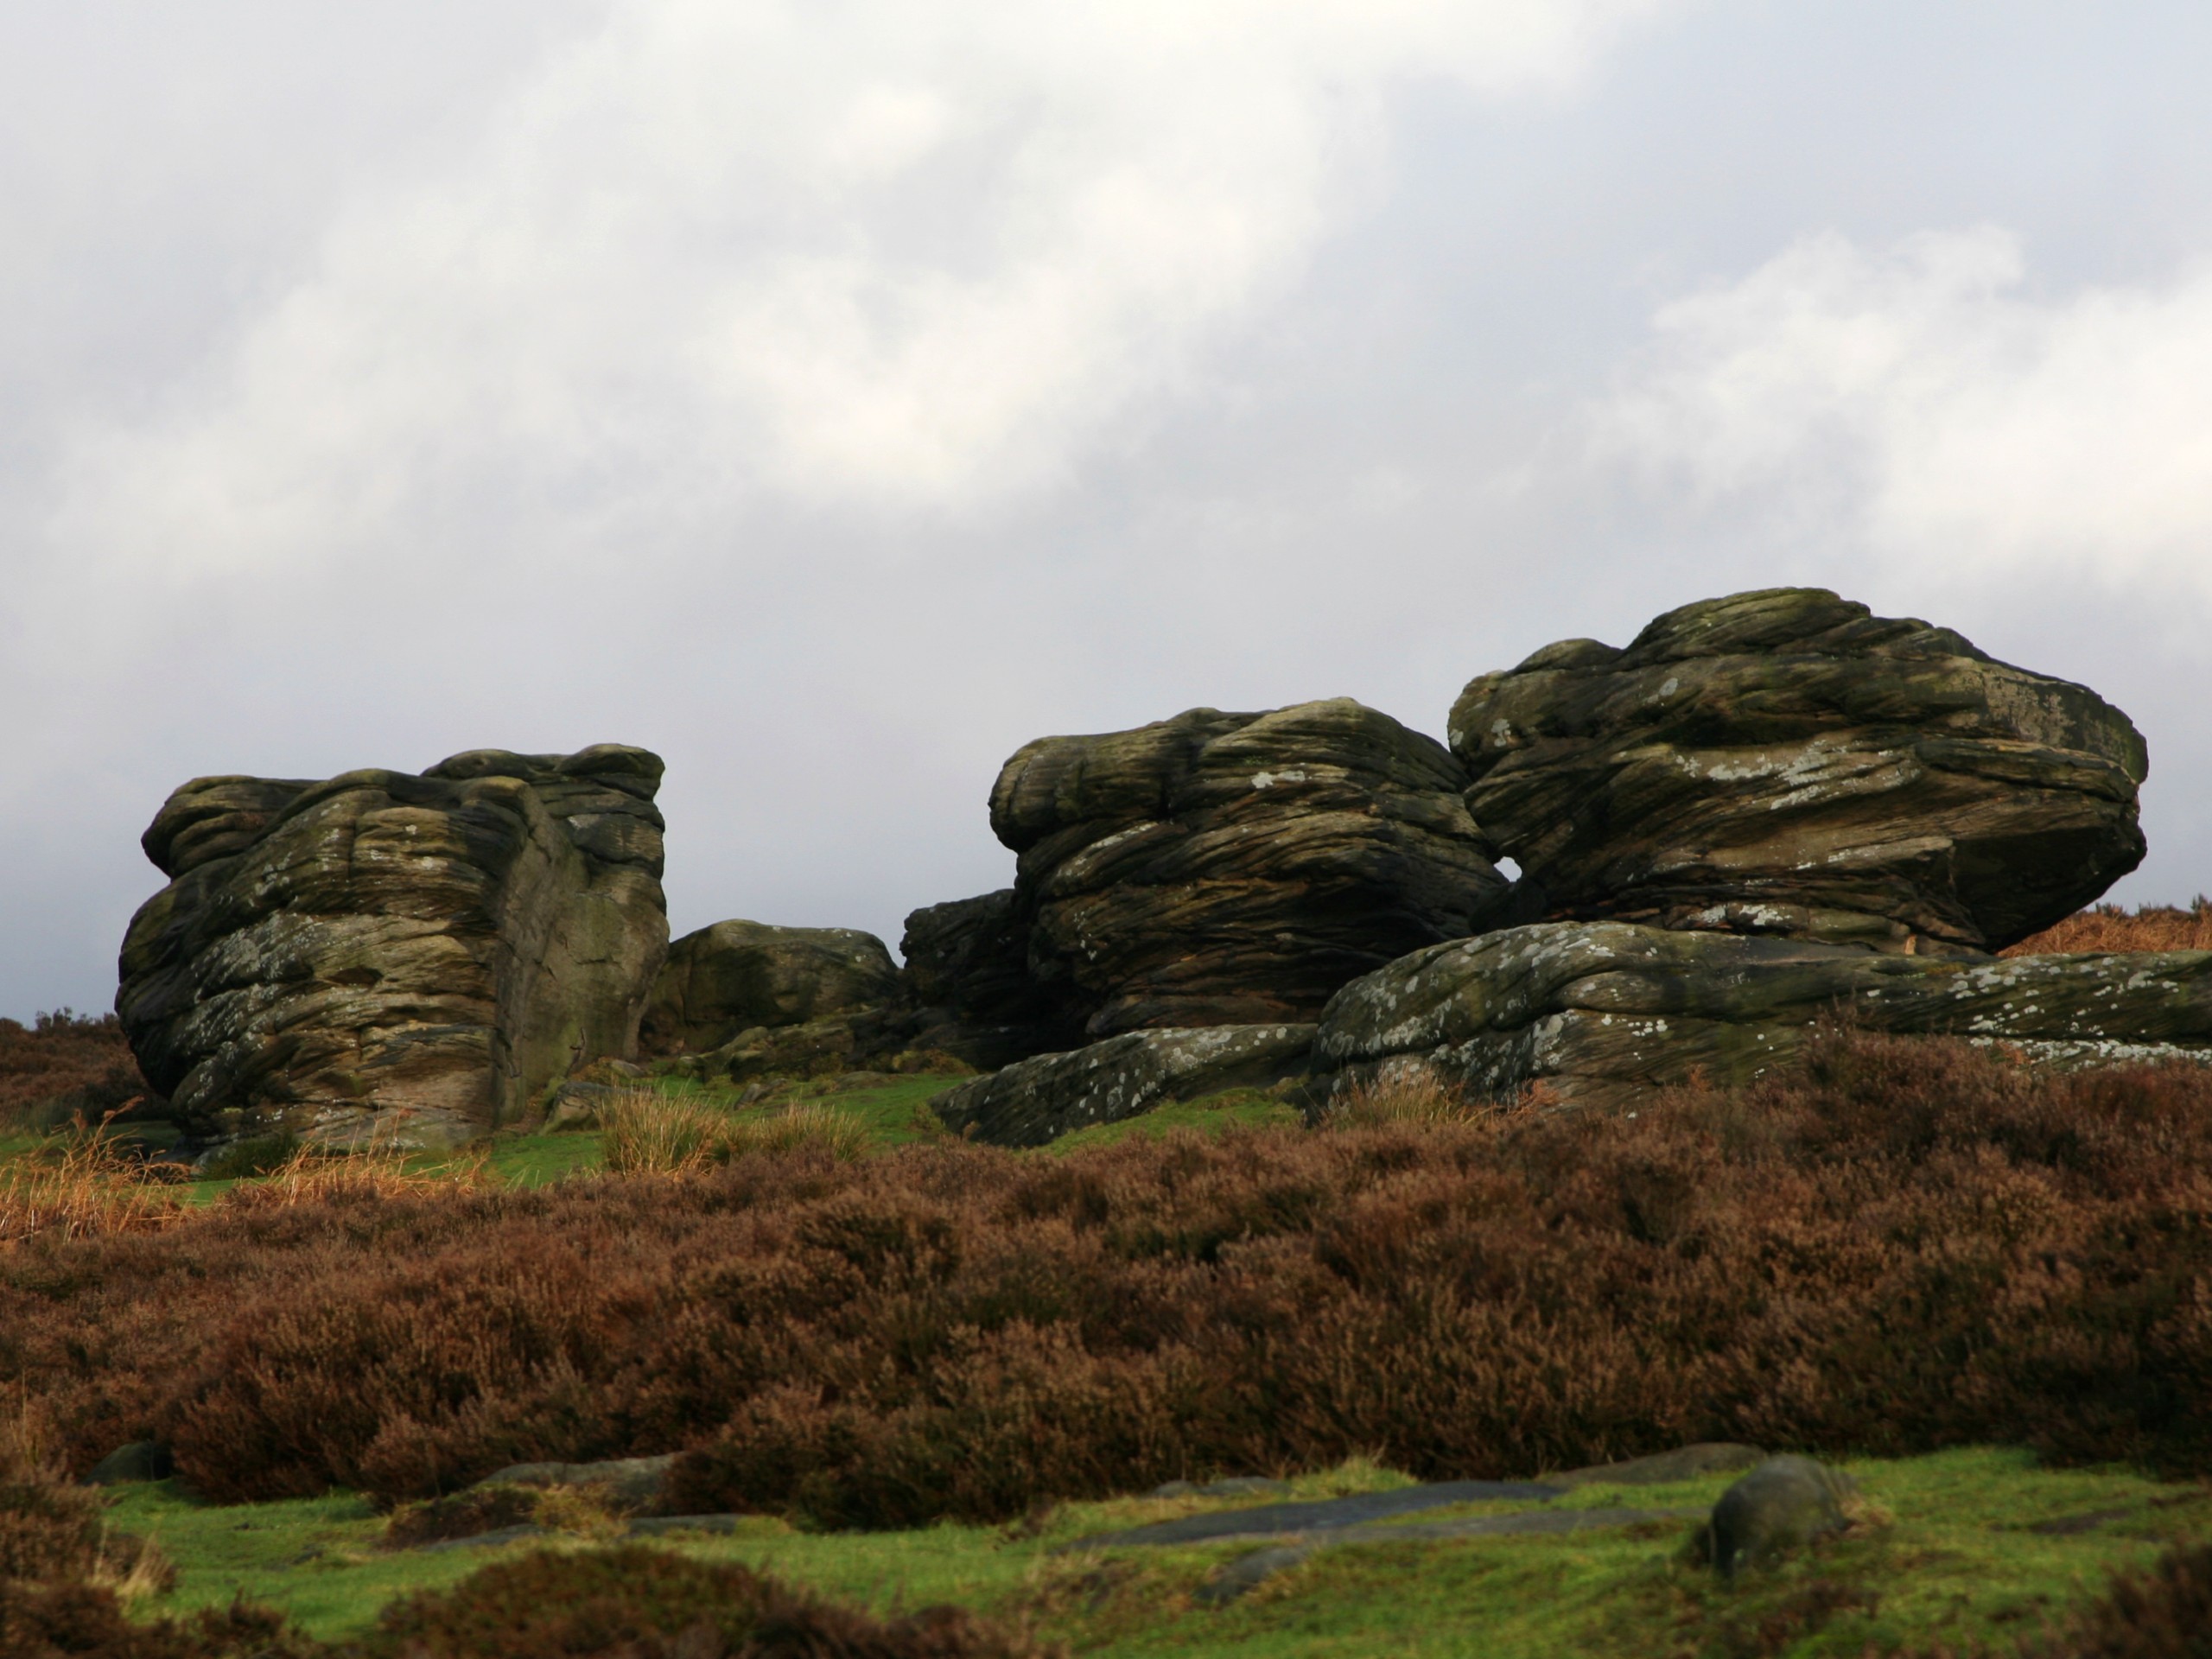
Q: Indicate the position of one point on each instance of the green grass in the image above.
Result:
(1943, 1552)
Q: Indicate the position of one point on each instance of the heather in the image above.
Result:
(2114, 927)
(1903, 1247)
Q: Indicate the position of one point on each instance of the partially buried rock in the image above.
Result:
(139, 1460)
(1036, 1101)
(1219, 869)
(382, 946)
(1602, 1013)
(1779, 1508)
(1787, 762)
(738, 975)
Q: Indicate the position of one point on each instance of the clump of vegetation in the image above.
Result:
(653, 1604)
(2165, 1613)
(256, 1155)
(84, 1186)
(1416, 1095)
(65, 1066)
(2114, 927)
(644, 1132)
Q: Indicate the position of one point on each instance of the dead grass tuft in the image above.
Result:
(646, 1133)
(1415, 1096)
(82, 1187)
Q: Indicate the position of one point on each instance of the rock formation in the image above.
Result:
(967, 979)
(1235, 868)
(1600, 1013)
(1035, 1101)
(429, 950)
(736, 975)
(1787, 762)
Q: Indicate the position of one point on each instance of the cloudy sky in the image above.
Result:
(834, 395)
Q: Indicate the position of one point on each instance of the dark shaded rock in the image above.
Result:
(1661, 1468)
(140, 1460)
(1782, 1506)
(1599, 1012)
(1219, 869)
(1035, 1101)
(736, 975)
(385, 944)
(1786, 762)
(967, 976)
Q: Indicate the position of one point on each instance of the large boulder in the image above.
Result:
(1235, 868)
(436, 948)
(1600, 1013)
(1787, 762)
(966, 980)
(736, 975)
(1035, 1101)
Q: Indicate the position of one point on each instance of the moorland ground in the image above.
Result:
(925, 1369)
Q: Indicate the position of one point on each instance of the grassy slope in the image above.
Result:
(1945, 1553)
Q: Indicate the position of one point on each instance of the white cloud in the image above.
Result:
(836, 251)
(1929, 401)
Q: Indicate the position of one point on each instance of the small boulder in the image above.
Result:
(1035, 1101)
(628, 1486)
(1779, 1508)
(737, 975)
(139, 1460)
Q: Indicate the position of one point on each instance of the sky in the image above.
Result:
(832, 397)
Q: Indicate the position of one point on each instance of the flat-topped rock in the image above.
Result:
(1787, 762)
(737, 975)
(439, 947)
(1039, 1100)
(1221, 869)
(1600, 1013)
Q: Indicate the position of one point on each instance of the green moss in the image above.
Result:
(1210, 1114)
(1944, 1550)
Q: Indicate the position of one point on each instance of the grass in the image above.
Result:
(1948, 1554)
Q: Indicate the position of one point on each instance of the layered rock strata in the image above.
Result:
(1787, 762)
(737, 975)
(966, 980)
(1601, 1014)
(426, 951)
(1221, 869)
(1035, 1101)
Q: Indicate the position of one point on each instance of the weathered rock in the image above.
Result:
(1600, 1013)
(1035, 1101)
(445, 944)
(1220, 869)
(967, 977)
(1787, 762)
(736, 975)
(627, 1485)
(139, 1460)
(1779, 1508)
(1663, 1468)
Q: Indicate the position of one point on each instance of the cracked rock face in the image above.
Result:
(736, 975)
(1235, 868)
(1786, 762)
(1035, 1101)
(387, 946)
(1601, 1014)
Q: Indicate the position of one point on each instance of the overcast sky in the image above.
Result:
(834, 395)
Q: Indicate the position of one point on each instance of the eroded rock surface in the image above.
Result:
(1600, 1013)
(966, 978)
(737, 975)
(1220, 869)
(1035, 1101)
(442, 946)
(1786, 762)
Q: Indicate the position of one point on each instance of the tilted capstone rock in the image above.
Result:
(425, 953)
(1602, 1013)
(1039, 1100)
(1787, 762)
(737, 975)
(1235, 868)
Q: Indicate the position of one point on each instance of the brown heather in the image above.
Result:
(64, 1064)
(1907, 1246)
(2114, 927)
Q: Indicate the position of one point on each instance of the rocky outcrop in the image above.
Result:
(737, 975)
(1780, 1508)
(1786, 762)
(1235, 868)
(1599, 1013)
(966, 978)
(1035, 1101)
(433, 948)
